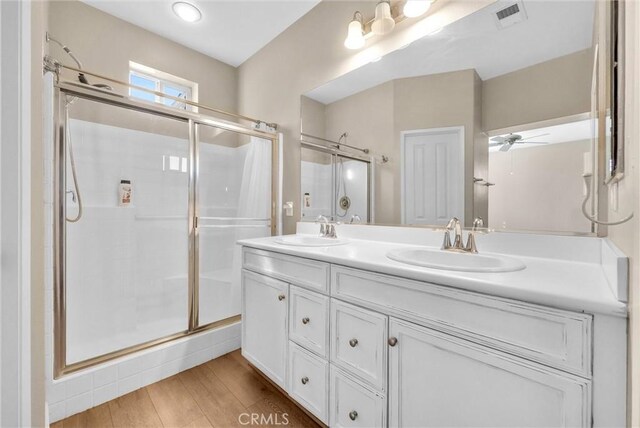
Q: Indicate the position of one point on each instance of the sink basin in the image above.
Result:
(310, 241)
(448, 260)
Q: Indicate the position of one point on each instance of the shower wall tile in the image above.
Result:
(79, 403)
(171, 368)
(105, 376)
(152, 375)
(129, 384)
(78, 384)
(152, 359)
(56, 392)
(105, 393)
(129, 367)
(57, 411)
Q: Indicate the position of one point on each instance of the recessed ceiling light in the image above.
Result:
(186, 11)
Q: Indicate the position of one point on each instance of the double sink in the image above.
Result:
(423, 257)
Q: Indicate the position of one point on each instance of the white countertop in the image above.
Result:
(559, 283)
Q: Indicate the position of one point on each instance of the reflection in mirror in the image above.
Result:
(335, 186)
(487, 118)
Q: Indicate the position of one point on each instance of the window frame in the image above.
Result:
(162, 80)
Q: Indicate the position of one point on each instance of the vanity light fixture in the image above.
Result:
(355, 34)
(415, 8)
(386, 17)
(186, 11)
(383, 22)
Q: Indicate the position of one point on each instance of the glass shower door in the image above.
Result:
(126, 270)
(233, 202)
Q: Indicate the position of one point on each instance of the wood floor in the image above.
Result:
(214, 394)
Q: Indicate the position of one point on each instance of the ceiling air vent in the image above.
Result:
(508, 11)
(512, 14)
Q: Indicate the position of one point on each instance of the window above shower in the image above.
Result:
(159, 81)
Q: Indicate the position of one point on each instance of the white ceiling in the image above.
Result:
(556, 134)
(230, 30)
(553, 29)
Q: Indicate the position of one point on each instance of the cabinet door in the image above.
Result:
(264, 324)
(436, 380)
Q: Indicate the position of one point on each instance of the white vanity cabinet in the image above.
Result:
(438, 380)
(363, 349)
(264, 324)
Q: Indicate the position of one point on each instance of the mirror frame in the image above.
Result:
(615, 163)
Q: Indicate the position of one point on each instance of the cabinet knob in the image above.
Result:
(281, 297)
(393, 341)
(353, 415)
(305, 320)
(304, 380)
(353, 342)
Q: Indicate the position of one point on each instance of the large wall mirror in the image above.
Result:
(489, 117)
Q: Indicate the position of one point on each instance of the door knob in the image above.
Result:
(353, 342)
(304, 380)
(305, 320)
(353, 415)
(281, 297)
(393, 341)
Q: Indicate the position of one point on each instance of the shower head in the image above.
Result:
(103, 86)
(81, 77)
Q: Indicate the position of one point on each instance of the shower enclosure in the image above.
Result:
(335, 184)
(133, 272)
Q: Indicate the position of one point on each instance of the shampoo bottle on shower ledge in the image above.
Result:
(125, 192)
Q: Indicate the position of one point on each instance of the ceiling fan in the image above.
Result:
(508, 141)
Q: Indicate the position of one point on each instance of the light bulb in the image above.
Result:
(355, 35)
(186, 11)
(415, 8)
(383, 22)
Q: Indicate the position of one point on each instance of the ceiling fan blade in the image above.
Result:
(534, 136)
(530, 142)
(499, 139)
(505, 147)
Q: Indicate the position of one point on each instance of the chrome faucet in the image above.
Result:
(471, 240)
(324, 224)
(454, 224)
(327, 230)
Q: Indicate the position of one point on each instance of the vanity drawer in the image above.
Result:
(308, 381)
(557, 338)
(352, 404)
(359, 342)
(306, 273)
(309, 320)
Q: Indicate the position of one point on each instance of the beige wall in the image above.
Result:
(39, 11)
(450, 99)
(309, 53)
(118, 42)
(556, 88)
(527, 196)
(627, 236)
(375, 118)
(440, 100)
(368, 119)
(106, 44)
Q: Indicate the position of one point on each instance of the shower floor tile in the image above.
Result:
(214, 394)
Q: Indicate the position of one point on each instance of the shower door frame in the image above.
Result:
(192, 120)
(336, 153)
